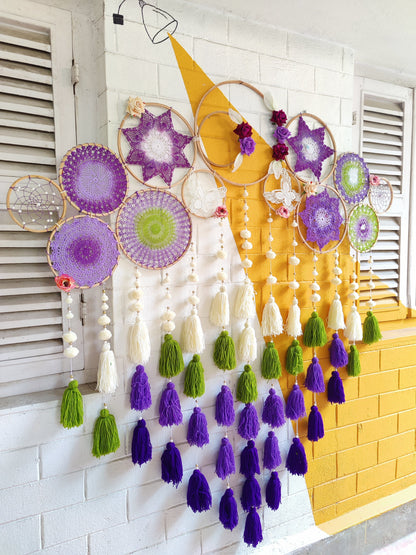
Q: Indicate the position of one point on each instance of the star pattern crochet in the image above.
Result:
(322, 219)
(309, 147)
(156, 146)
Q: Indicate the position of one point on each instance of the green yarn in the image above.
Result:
(315, 334)
(171, 361)
(155, 228)
(294, 360)
(247, 386)
(224, 352)
(72, 410)
(354, 365)
(371, 329)
(106, 439)
(194, 378)
(271, 368)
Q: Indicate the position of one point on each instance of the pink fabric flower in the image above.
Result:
(283, 212)
(247, 146)
(243, 130)
(221, 211)
(65, 282)
(374, 180)
(279, 117)
(280, 151)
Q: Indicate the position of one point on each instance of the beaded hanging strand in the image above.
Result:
(272, 322)
(353, 329)
(138, 334)
(371, 328)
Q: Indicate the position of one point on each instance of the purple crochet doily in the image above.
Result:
(351, 177)
(85, 248)
(154, 229)
(322, 218)
(93, 178)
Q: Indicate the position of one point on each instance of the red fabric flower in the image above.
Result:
(243, 130)
(65, 282)
(280, 151)
(279, 117)
(221, 212)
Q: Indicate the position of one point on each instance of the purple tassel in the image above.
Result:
(170, 407)
(253, 533)
(296, 462)
(251, 494)
(295, 406)
(198, 429)
(274, 492)
(314, 380)
(228, 510)
(198, 495)
(249, 460)
(273, 411)
(315, 425)
(225, 462)
(336, 389)
(172, 471)
(141, 447)
(248, 426)
(140, 398)
(272, 458)
(224, 407)
(337, 353)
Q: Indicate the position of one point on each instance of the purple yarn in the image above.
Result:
(141, 446)
(295, 406)
(228, 510)
(172, 470)
(248, 426)
(140, 397)
(198, 495)
(253, 533)
(314, 380)
(273, 411)
(337, 353)
(225, 462)
(249, 460)
(170, 407)
(274, 492)
(251, 494)
(197, 429)
(224, 407)
(296, 461)
(315, 425)
(336, 389)
(272, 458)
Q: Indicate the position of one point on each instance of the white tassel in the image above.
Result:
(293, 325)
(247, 344)
(336, 316)
(354, 329)
(192, 335)
(139, 342)
(245, 305)
(107, 378)
(272, 321)
(220, 308)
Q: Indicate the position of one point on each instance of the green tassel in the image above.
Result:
(371, 329)
(106, 438)
(171, 361)
(72, 410)
(194, 378)
(271, 369)
(224, 352)
(294, 360)
(353, 366)
(247, 386)
(315, 334)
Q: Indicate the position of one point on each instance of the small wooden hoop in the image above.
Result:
(54, 184)
(127, 166)
(358, 252)
(293, 176)
(208, 171)
(334, 154)
(374, 187)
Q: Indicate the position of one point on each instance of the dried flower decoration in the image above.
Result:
(283, 212)
(374, 180)
(221, 212)
(135, 106)
(65, 282)
(311, 188)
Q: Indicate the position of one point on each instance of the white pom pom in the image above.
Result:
(222, 276)
(271, 280)
(168, 315)
(104, 306)
(336, 281)
(193, 299)
(105, 335)
(69, 337)
(246, 219)
(293, 325)
(107, 379)
(315, 286)
(69, 315)
(192, 335)
(246, 263)
(315, 298)
(336, 271)
(168, 326)
(353, 286)
(371, 303)
(245, 306)
(335, 315)
(104, 298)
(371, 284)
(221, 254)
(245, 234)
(354, 330)
(139, 343)
(272, 321)
(136, 294)
(294, 260)
(137, 306)
(193, 277)
(69, 300)
(293, 285)
(219, 314)
(247, 344)
(247, 245)
(103, 320)
(354, 296)
(71, 352)
(270, 254)
(315, 273)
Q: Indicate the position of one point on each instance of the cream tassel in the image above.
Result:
(272, 321)
(354, 329)
(192, 334)
(245, 306)
(247, 344)
(220, 309)
(107, 379)
(139, 342)
(293, 325)
(336, 316)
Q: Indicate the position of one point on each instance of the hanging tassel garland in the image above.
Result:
(293, 325)
(192, 335)
(271, 458)
(197, 429)
(315, 425)
(272, 321)
(220, 309)
(140, 397)
(170, 407)
(336, 389)
(249, 460)
(294, 360)
(314, 380)
(194, 378)
(141, 446)
(296, 462)
(228, 510)
(224, 352)
(248, 425)
(274, 492)
(106, 438)
(371, 329)
(245, 306)
(198, 495)
(172, 470)
(253, 533)
(171, 361)
(271, 368)
(224, 407)
(139, 342)
(315, 334)
(354, 330)
(251, 494)
(338, 356)
(247, 344)
(295, 406)
(247, 386)
(225, 462)
(354, 365)
(107, 378)
(335, 315)
(72, 410)
(273, 411)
